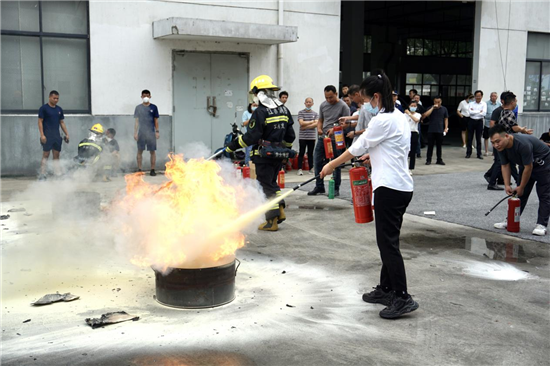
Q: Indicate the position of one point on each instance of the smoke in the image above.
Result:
(79, 219)
(493, 271)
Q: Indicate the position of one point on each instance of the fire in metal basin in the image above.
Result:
(195, 288)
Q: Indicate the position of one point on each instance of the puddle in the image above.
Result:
(312, 207)
(499, 251)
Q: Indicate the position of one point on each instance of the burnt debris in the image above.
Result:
(110, 318)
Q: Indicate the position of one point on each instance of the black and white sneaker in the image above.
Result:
(378, 296)
(399, 307)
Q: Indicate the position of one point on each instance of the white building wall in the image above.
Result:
(503, 27)
(126, 59)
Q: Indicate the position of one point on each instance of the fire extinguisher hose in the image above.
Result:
(317, 176)
(499, 202)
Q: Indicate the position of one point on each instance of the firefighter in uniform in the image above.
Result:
(270, 133)
(90, 151)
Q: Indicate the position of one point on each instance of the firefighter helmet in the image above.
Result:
(262, 82)
(97, 128)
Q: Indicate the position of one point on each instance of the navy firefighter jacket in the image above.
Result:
(268, 124)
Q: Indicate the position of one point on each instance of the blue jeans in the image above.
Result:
(320, 160)
(247, 155)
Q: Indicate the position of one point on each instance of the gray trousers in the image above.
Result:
(540, 176)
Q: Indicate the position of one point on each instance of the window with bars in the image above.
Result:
(452, 88)
(45, 46)
(536, 93)
(438, 48)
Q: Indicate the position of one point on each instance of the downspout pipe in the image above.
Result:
(280, 49)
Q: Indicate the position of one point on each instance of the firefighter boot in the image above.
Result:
(282, 216)
(269, 225)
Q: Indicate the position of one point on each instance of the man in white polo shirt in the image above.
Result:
(478, 110)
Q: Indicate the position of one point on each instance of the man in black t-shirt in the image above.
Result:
(439, 126)
(545, 137)
(533, 158)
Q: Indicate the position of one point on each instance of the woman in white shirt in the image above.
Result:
(413, 118)
(388, 140)
(464, 114)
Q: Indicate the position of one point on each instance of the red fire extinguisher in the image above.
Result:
(281, 179)
(339, 137)
(359, 179)
(329, 153)
(514, 208)
(246, 172)
(305, 163)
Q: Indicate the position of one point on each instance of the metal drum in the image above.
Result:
(198, 287)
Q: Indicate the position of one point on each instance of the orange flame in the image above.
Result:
(173, 225)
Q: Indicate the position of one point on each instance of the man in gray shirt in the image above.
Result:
(533, 158)
(330, 112)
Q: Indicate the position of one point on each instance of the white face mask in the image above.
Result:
(145, 100)
(109, 139)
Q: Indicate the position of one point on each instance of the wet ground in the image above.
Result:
(484, 297)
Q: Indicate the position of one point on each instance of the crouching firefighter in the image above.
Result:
(270, 133)
(90, 152)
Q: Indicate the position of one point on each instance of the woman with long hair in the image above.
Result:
(388, 141)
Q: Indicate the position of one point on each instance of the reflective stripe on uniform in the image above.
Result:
(241, 142)
(91, 144)
(276, 119)
(287, 144)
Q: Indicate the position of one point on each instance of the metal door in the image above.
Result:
(210, 93)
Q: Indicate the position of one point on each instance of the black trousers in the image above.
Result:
(266, 174)
(310, 145)
(437, 139)
(412, 153)
(390, 206)
(474, 125)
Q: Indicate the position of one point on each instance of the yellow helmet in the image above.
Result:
(262, 82)
(97, 128)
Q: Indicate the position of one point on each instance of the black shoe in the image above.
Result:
(440, 162)
(494, 188)
(153, 173)
(428, 163)
(487, 178)
(336, 192)
(399, 307)
(468, 156)
(378, 296)
(315, 191)
(418, 155)
(480, 157)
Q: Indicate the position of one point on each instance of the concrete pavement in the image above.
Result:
(484, 297)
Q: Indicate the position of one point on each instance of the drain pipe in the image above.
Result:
(280, 49)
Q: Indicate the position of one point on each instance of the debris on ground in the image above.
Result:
(21, 209)
(51, 298)
(283, 272)
(110, 318)
(429, 213)
(4, 217)
(26, 321)
(290, 306)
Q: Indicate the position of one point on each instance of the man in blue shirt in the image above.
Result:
(146, 129)
(492, 104)
(50, 118)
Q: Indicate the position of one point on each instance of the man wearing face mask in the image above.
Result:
(146, 129)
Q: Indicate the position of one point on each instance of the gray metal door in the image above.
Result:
(210, 92)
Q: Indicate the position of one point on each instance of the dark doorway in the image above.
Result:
(425, 45)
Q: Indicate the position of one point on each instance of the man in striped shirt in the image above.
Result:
(308, 134)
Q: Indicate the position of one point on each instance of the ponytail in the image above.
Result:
(378, 82)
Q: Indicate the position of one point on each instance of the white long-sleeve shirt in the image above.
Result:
(463, 108)
(388, 140)
(477, 110)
